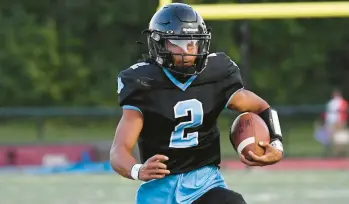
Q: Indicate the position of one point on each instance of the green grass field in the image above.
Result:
(258, 187)
(298, 134)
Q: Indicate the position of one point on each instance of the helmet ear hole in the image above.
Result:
(157, 50)
(146, 32)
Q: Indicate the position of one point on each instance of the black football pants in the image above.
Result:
(220, 196)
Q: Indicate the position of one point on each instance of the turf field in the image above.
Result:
(298, 134)
(258, 187)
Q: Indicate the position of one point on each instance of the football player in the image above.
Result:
(171, 103)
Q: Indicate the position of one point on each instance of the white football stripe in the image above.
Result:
(236, 120)
(244, 144)
(244, 113)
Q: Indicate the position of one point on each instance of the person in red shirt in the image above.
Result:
(336, 110)
(336, 117)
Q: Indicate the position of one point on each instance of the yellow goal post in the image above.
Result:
(270, 10)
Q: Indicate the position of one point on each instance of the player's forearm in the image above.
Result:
(247, 101)
(259, 106)
(122, 162)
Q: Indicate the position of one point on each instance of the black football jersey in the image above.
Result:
(180, 116)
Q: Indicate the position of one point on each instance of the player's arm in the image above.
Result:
(242, 100)
(121, 158)
(125, 138)
(127, 132)
(246, 101)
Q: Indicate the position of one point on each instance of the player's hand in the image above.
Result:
(270, 157)
(153, 168)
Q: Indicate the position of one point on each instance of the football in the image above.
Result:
(247, 130)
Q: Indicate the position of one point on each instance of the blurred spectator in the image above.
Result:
(336, 111)
(336, 116)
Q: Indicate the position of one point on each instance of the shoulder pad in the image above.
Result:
(219, 66)
(138, 80)
(132, 82)
(129, 76)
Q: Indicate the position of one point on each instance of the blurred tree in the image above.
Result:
(70, 52)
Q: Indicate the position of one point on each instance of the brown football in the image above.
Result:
(246, 131)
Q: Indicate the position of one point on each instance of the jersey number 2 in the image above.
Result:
(178, 137)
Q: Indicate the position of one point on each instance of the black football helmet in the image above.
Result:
(180, 25)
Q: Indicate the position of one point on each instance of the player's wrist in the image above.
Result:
(277, 144)
(135, 171)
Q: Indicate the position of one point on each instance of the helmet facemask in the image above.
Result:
(159, 51)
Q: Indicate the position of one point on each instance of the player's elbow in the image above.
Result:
(261, 105)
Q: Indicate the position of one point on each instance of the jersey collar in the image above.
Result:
(182, 86)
